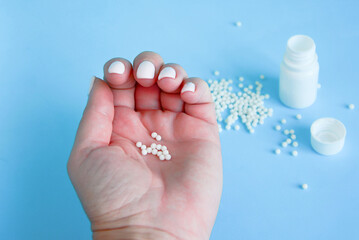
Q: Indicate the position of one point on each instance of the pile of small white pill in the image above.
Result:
(245, 105)
(155, 149)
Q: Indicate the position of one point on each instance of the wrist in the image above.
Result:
(133, 233)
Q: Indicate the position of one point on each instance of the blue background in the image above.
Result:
(50, 49)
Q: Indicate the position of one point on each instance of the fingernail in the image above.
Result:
(188, 87)
(91, 83)
(116, 67)
(146, 70)
(167, 72)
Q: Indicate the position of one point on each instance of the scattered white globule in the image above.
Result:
(155, 149)
(304, 186)
(246, 105)
(295, 153)
(351, 106)
(290, 137)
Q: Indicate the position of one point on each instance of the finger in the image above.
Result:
(118, 74)
(172, 102)
(198, 100)
(170, 78)
(146, 67)
(169, 81)
(96, 124)
(147, 98)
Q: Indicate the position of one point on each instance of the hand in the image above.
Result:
(130, 196)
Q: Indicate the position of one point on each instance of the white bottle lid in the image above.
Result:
(327, 136)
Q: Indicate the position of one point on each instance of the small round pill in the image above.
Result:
(168, 157)
(149, 150)
(216, 73)
(298, 116)
(154, 151)
(138, 144)
(284, 144)
(158, 138)
(295, 153)
(283, 121)
(261, 76)
(286, 131)
(153, 145)
(154, 135)
(293, 136)
(277, 151)
(159, 153)
(289, 141)
(295, 144)
(251, 130)
(278, 127)
(144, 152)
(304, 186)
(319, 85)
(162, 157)
(241, 79)
(143, 147)
(165, 152)
(163, 148)
(159, 146)
(238, 24)
(236, 127)
(228, 127)
(291, 131)
(351, 106)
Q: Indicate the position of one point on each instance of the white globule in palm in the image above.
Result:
(158, 150)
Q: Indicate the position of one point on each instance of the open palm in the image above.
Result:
(118, 187)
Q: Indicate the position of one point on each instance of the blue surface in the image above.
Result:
(50, 49)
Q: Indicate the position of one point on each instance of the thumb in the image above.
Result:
(96, 124)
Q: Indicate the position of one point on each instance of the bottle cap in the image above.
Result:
(327, 136)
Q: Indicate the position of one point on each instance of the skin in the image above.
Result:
(130, 196)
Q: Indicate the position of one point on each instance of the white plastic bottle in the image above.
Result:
(298, 80)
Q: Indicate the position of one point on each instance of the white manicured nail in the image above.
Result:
(167, 72)
(146, 70)
(188, 87)
(116, 67)
(91, 83)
